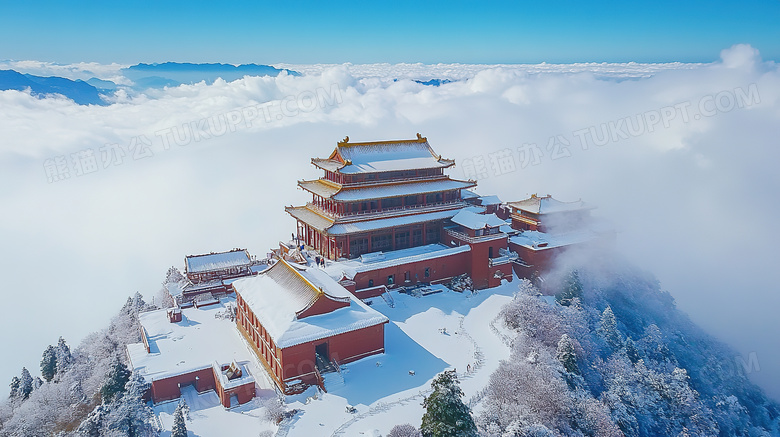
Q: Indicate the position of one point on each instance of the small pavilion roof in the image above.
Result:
(489, 200)
(548, 205)
(382, 156)
(217, 261)
(475, 221)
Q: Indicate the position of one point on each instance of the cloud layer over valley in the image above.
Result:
(681, 157)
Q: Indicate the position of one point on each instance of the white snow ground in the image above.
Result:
(425, 335)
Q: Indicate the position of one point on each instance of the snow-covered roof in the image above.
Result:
(279, 294)
(548, 205)
(401, 189)
(176, 288)
(217, 261)
(320, 187)
(472, 220)
(475, 209)
(331, 190)
(370, 225)
(310, 217)
(381, 156)
(489, 200)
(541, 240)
(350, 268)
(468, 194)
(189, 345)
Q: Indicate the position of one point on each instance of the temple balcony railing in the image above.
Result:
(469, 239)
(394, 180)
(387, 212)
(506, 256)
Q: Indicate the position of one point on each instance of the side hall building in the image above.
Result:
(301, 323)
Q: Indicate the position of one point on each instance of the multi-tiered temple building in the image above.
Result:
(386, 217)
(378, 196)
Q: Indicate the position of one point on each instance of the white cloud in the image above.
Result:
(695, 199)
(740, 56)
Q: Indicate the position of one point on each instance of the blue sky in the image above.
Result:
(398, 31)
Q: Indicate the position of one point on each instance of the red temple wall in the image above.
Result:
(439, 268)
(168, 388)
(298, 361)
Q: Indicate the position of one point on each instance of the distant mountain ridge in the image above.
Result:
(143, 77)
(176, 73)
(77, 90)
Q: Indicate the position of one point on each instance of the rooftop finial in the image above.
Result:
(346, 139)
(419, 137)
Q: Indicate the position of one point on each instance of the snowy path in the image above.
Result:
(476, 332)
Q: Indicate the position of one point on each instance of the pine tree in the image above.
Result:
(115, 382)
(185, 408)
(179, 428)
(49, 363)
(445, 413)
(631, 352)
(15, 384)
(572, 288)
(26, 384)
(173, 275)
(64, 357)
(608, 329)
(93, 424)
(130, 415)
(567, 355)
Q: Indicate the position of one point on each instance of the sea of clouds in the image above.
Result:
(98, 201)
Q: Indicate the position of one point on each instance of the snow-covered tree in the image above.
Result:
(608, 329)
(537, 430)
(185, 408)
(653, 344)
(631, 352)
(173, 275)
(274, 410)
(130, 416)
(163, 299)
(49, 363)
(64, 356)
(404, 430)
(445, 413)
(571, 289)
(567, 355)
(179, 428)
(25, 384)
(115, 383)
(15, 384)
(92, 425)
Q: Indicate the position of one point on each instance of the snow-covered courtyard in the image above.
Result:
(426, 335)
